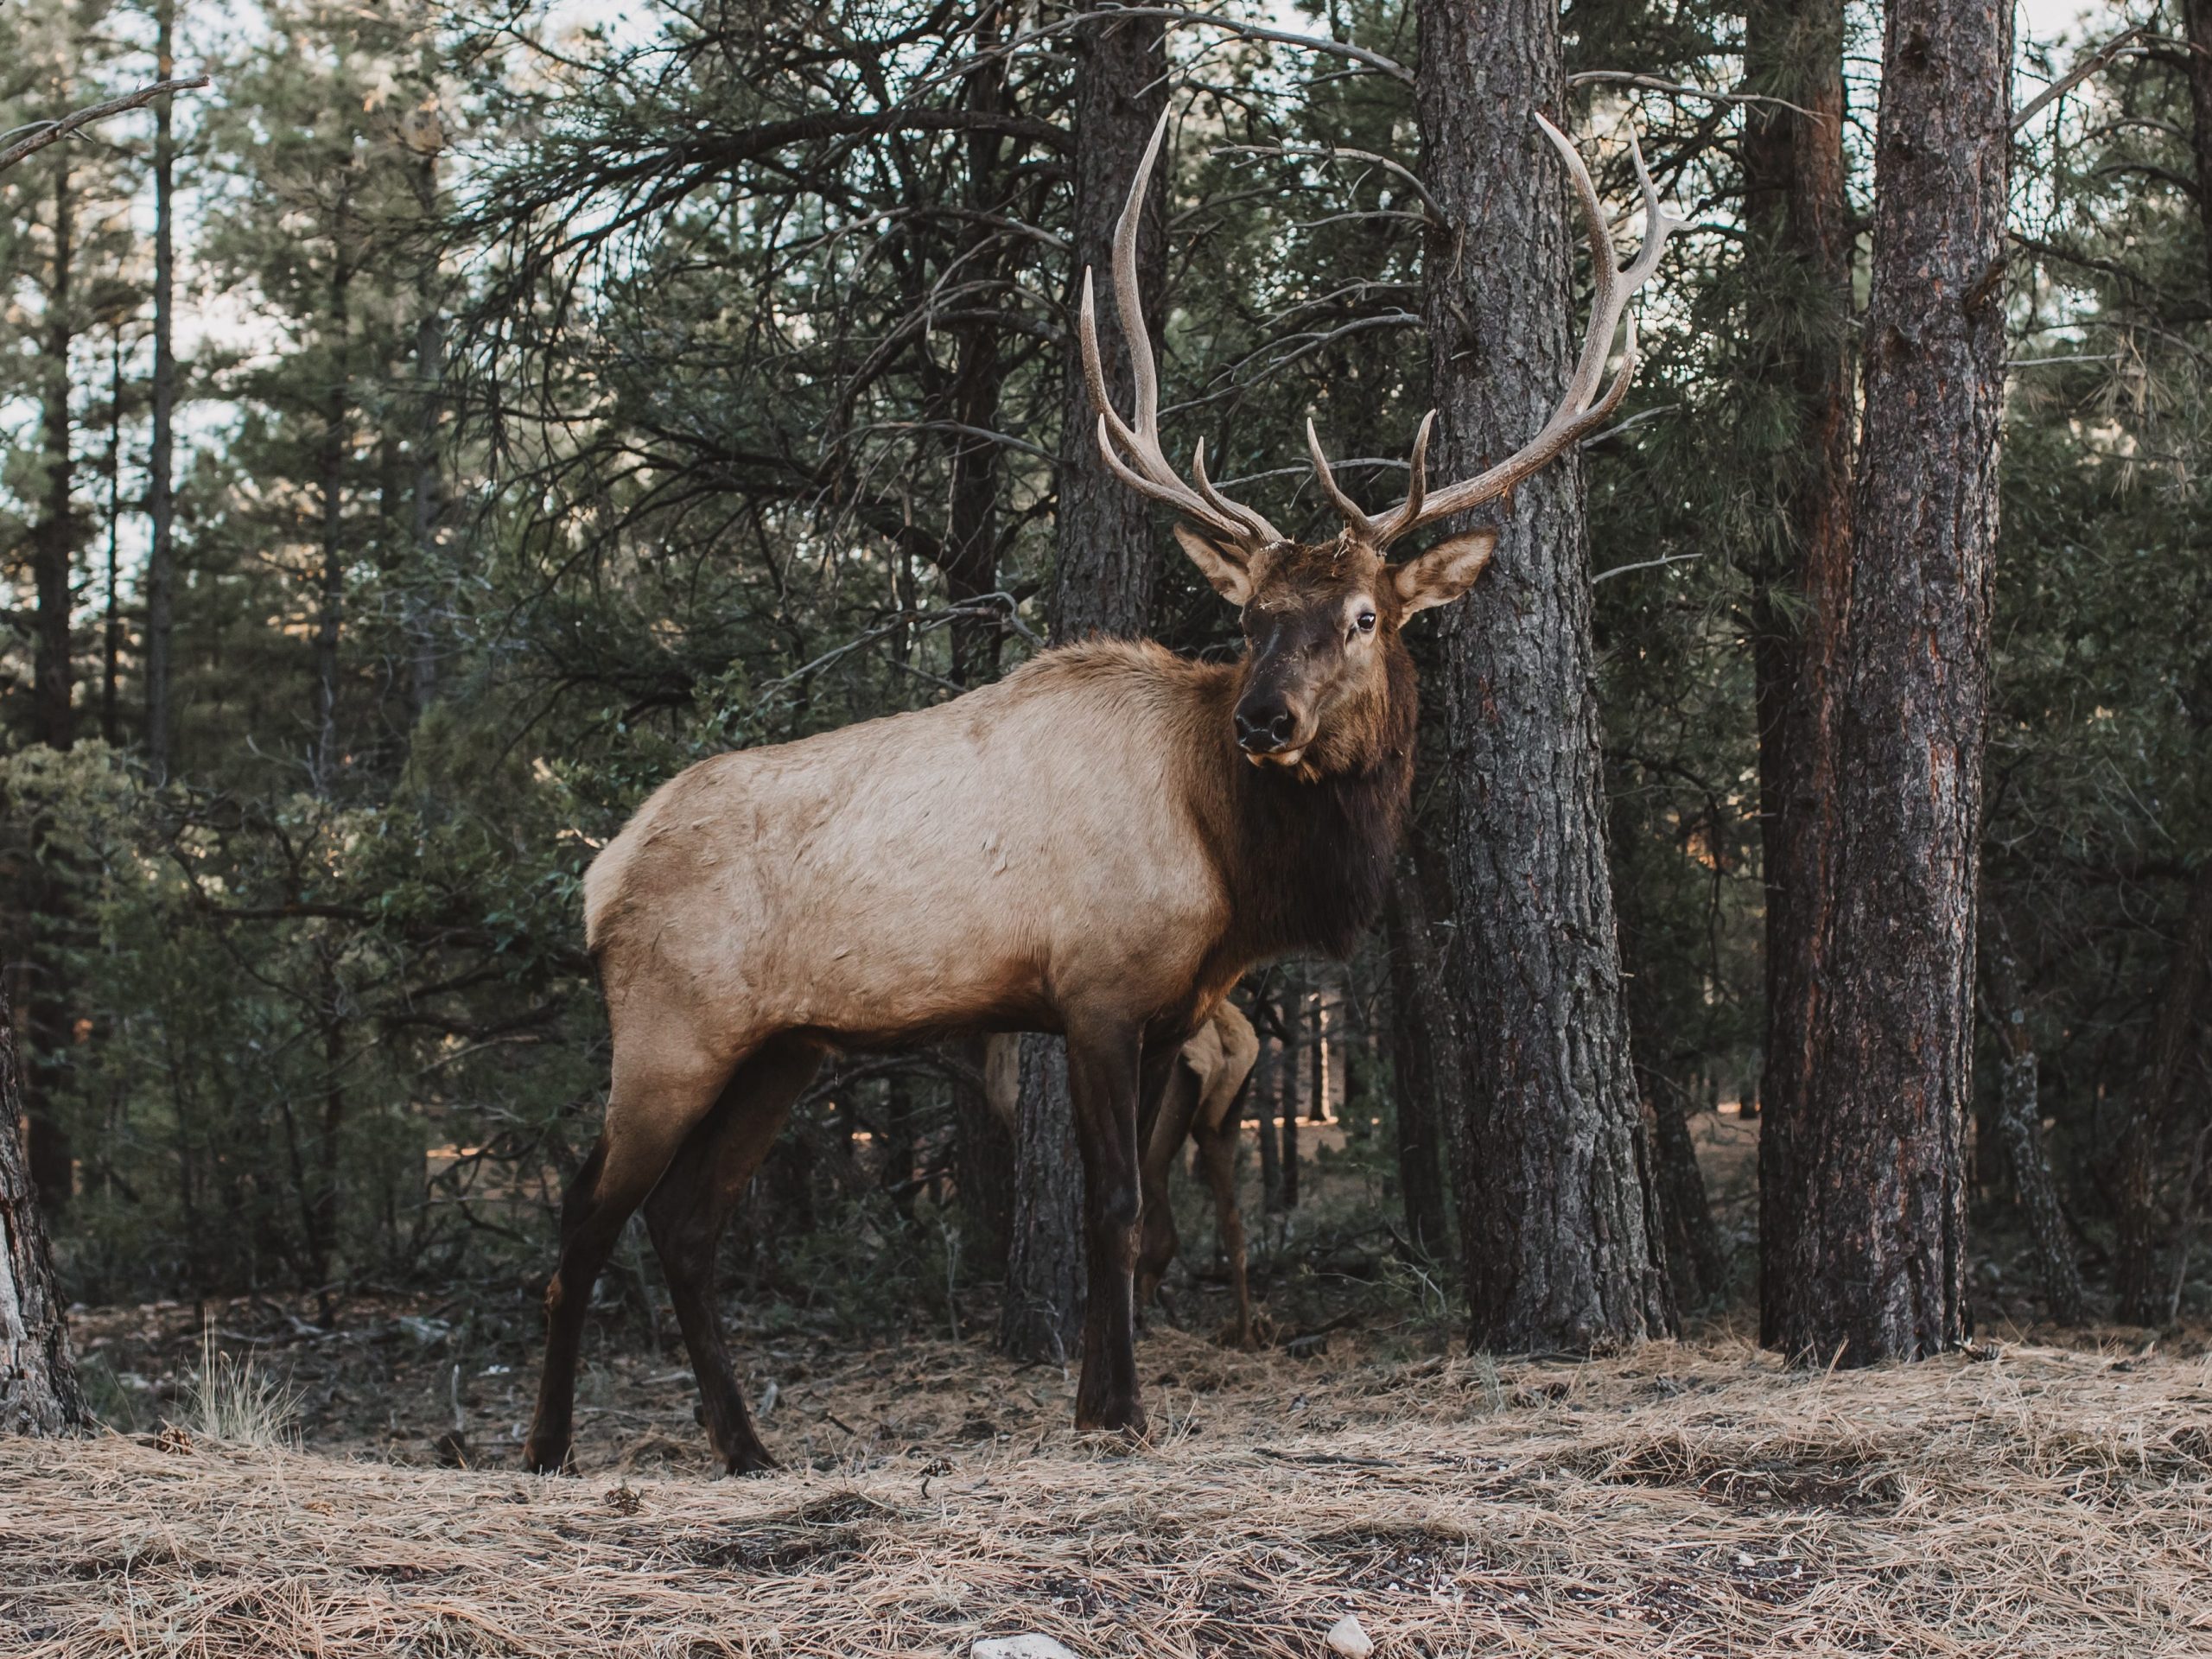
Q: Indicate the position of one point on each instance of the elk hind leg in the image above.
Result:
(1217, 1157)
(1156, 1239)
(649, 1110)
(688, 1211)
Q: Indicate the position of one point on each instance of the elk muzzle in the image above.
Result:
(1270, 726)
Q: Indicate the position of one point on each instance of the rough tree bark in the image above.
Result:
(1800, 308)
(1109, 560)
(1862, 1187)
(1555, 1221)
(39, 1394)
(979, 368)
(2019, 1122)
(160, 505)
(1417, 1010)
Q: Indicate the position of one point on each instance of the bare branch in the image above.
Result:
(1679, 89)
(2080, 73)
(51, 132)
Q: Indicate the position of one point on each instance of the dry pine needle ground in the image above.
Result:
(1680, 1500)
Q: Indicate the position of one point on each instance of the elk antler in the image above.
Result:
(1576, 415)
(1146, 469)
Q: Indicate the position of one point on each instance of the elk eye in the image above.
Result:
(1367, 621)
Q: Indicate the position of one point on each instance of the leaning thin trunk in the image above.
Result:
(1109, 562)
(1556, 1223)
(1863, 1204)
(39, 1392)
(2019, 1122)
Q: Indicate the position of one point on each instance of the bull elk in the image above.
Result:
(1198, 1104)
(1099, 845)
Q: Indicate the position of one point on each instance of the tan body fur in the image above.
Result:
(1031, 840)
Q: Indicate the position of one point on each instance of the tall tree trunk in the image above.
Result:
(53, 547)
(978, 374)
(1317, 1102)
(111, 625)
(983, 1155)
(425, 645)
(1799, 305)
(39, 1394)
(1417, 1046)
(1109, 560)
(54, 542)
(2019, 1122)
(1261, 1094)
(1041, 1317)
(160, 504)
(1296, 1059)
(2196, 20)
(1555, 1220)
(2139, 1286)
(1697, 1264)
(337, 444)
(1863, 1209)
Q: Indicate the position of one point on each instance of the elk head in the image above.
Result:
(1321, 619)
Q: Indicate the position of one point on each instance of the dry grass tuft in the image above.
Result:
(232, 1399)
(1680, 1500)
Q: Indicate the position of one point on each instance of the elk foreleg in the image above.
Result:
(687, 1214)
(1104, 1079)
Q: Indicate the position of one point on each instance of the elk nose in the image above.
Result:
(1263, 727)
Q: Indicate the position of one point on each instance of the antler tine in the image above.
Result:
(1132, 450)
(1220, 503)
(1127, 301)
(1354, 516)
(1589, 398)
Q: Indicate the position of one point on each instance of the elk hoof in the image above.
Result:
(546, 1458)
(752, 1459)
(1125, 1417)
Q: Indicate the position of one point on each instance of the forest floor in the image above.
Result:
(2022, 1500)
(1687, 1499)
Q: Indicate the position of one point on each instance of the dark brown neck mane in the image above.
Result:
(1308, 864)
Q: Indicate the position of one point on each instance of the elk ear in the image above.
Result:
(1221, 566)
(1444, 572)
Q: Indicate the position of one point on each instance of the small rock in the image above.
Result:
(1018, 1646)
(1348, 1637)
